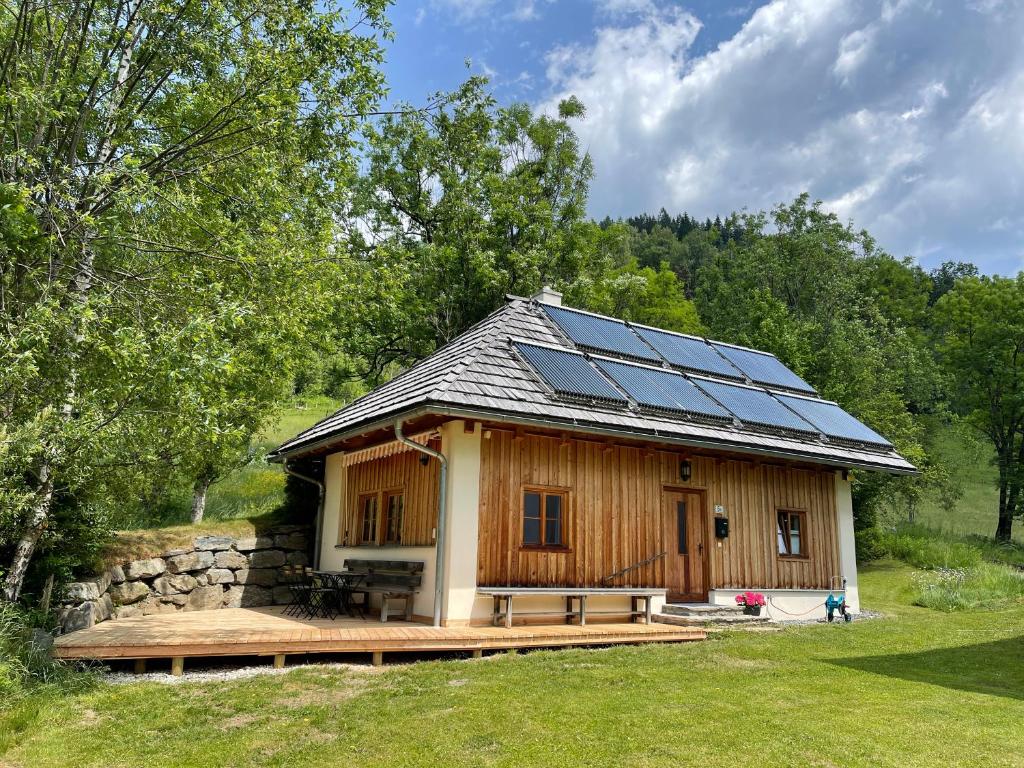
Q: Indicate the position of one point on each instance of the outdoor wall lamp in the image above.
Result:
(684, 470)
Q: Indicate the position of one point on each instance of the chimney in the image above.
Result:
(548, 295)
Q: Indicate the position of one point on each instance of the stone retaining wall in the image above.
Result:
(217, 572)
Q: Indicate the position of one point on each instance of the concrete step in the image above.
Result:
(703, 610)
(740, 620)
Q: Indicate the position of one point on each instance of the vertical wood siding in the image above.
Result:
(402, 471)
(615, 515)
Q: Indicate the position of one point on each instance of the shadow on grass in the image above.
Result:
(995, 668)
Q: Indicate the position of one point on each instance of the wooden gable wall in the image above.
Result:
(401, 471)
(615, 514)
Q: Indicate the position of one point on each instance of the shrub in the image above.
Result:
(925, 549)
(25, 665)
(987, 585)
(1008, 552)
(869, 545)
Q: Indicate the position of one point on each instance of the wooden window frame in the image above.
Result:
(386, 497)
(380, 532)
(544, 491)
(802, 516)
(361, 504)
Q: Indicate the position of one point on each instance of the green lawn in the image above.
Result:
(919, 688)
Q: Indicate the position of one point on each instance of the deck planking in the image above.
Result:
(266, 631)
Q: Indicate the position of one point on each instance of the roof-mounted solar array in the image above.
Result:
(572, 374)
(755, 406)
(600, 333)
(569, 373)
(699, 391)
(762, 368)
(688, 352)
(662, 389)
(832, 421)
(605, 334)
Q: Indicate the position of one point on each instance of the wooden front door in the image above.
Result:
(686, 547)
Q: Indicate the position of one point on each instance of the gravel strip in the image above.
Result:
(862, 616)
(217, 675)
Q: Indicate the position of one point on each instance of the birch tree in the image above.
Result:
(169, 171)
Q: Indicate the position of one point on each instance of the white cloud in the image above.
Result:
(906, 116)
(854, 50)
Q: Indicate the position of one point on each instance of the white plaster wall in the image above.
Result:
(333, 556)
(423, 602)
(483, 608)
(462, 450)
(334, 492)
(847, 542)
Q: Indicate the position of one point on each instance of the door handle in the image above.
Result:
(700, 549)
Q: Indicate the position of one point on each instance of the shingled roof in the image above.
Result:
(480, 375)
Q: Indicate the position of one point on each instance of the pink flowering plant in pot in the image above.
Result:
(751, 602)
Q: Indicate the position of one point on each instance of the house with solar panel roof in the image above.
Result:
(554, 462)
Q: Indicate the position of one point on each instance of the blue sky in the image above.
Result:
(904, 116)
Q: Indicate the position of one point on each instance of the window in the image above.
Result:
(790, 531)
(681, 526)
(394, 509)
(368, 505)
(381, 515)
(542, 518)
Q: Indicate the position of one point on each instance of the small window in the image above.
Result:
(790, 532)
(543, 519)
(394, 510)
(368, 509)
(681, 526)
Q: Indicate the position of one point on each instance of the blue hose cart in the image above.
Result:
(835, 604)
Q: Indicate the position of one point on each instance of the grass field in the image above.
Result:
(919, 688)
(257, 488)
(969, 461)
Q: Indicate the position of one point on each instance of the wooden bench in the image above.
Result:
(390, 579)
(571, 594)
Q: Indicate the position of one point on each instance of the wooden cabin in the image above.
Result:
(556, 455)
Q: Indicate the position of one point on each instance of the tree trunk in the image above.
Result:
(27, 543)
(199, 491)
(1004, 530)
(79, 288)
(1006, 506)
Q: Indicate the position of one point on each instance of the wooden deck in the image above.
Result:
(267, 632)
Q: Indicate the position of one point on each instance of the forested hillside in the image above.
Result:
(193, 236)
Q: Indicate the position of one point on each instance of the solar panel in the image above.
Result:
(600, 333)
(662, 389)
(763, 368)
(831, 420)
(688, 352)
(569, 373)
(754, 406)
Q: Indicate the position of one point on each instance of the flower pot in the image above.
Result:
(752, 610)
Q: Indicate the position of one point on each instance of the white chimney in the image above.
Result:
(548, 295)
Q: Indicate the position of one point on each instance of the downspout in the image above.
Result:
(319, 509)
(442, 517)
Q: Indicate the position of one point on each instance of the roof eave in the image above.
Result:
(443, 409)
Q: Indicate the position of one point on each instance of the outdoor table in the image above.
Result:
(344, 582)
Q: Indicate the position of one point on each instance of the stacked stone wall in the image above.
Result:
(216, 572)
